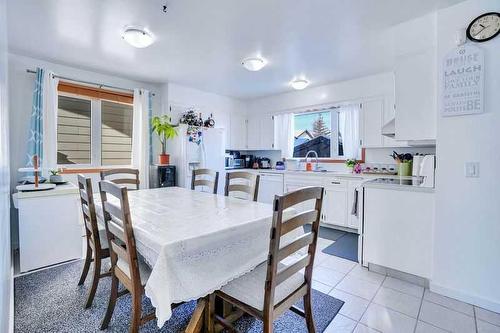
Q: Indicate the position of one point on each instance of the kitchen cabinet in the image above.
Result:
(415, 96)
(335, 203)
(293, 182)
(353, 221)
(397, 229)
(260, 132)
(338, 198)
(371, 123)
(238, 131)
(271, 184)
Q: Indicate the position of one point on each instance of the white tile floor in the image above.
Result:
(379, 303)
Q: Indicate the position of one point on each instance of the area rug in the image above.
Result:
(51, 301)
(345, 247)
(327, 233)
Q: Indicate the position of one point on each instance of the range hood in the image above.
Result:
(389, 129)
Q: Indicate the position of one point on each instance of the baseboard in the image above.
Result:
(465, 297)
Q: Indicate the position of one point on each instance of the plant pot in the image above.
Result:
(164, 159)
(56, 179)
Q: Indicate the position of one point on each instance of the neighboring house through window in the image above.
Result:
(94, 128)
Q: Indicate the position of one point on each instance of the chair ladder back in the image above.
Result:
(281, 227)
(211, 181)
(120, 233)
(89, 212)
(252, 188)
(134, 180)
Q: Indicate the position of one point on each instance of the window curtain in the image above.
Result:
(42, 137)
(349, 129)
(284, 134)
(141, 135)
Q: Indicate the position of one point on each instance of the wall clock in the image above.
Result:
(484, 27)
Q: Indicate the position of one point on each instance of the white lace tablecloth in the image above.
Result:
(196, 242)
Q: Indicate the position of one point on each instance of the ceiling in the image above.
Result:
(201, 43)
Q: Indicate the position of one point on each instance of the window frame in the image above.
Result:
(95, 135)
(334, 125)
(334, 158)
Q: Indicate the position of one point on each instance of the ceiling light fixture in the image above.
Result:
(254, 64)
(137, 37)
(299, 84)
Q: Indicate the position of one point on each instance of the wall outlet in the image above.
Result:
(472, 169)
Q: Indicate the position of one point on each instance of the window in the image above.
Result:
(73, 131)
(330, 132)
(93, 131)
(116, 133)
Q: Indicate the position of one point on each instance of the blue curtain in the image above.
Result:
(35, 134)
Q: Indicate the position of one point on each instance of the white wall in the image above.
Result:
(20, 98)
(182, 97)
(6, 316)
(380, 85)
(467, 230)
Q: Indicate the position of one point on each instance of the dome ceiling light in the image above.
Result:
(137, 37)
(299, 84)
(254, 64)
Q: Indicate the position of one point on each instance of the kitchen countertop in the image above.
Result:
(401, 184)
(341, 174)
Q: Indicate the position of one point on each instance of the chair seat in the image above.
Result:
(144, 269)
(250, 287)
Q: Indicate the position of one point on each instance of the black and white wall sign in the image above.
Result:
(462, 81)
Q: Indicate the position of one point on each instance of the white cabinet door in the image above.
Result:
(267, 132)
(353, 220)
(253, 133)
(372, 114)
(260, 132)
(415, 94)
(335, 202)
(238, 131)
(293, 183)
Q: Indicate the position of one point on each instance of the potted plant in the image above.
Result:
(55, 176)
(165, 130)
(353, 165)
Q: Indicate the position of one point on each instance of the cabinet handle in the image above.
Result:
(336, 183)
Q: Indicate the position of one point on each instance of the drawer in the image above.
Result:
(336, 183)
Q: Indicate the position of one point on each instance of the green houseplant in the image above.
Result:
(165, 130)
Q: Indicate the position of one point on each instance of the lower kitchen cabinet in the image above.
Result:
(338, 198)
(335, 203)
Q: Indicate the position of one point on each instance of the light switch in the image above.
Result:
(472, 169)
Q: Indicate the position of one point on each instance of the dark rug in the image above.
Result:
(327, 233)
(51, 301)
(345, 247)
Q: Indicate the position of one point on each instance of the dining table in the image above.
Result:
(196, 242)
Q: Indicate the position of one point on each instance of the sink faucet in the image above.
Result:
(315, 156)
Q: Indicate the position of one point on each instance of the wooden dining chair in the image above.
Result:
(272, 287)
(205, 177)
(246, 182)
(96, 239)
(126, 266)
(117, 176)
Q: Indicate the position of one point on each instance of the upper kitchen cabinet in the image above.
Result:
(260, 132)
(415, 96)
(237, 131)
(371, 123)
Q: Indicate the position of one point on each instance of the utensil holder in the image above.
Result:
(404, 169)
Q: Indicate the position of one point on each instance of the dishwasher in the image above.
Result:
(270, 184)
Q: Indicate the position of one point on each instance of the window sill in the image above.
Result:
(329, 160)
(87, 170)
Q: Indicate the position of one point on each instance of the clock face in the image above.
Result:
(485, 27)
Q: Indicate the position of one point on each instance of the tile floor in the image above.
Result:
(379, 303)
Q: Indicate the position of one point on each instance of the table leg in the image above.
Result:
(196, 323)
